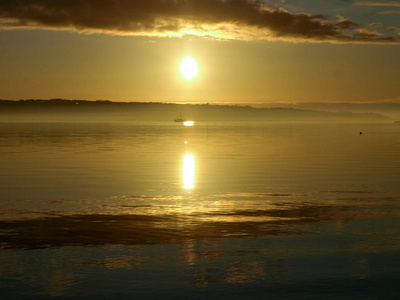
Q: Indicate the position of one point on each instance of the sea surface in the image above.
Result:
(210, 211)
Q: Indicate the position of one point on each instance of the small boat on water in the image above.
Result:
(179, 119)
(183, 121)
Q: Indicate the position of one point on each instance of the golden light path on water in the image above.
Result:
(188, 171)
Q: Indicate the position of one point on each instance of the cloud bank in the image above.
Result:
(220, 19)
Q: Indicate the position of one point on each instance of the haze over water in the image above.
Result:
(222, 210)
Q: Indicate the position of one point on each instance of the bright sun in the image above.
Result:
(189, 67)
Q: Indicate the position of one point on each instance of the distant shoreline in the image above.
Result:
(104, 110)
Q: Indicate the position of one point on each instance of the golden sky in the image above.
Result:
(246, 51)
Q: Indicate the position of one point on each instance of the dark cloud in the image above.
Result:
(225, 19)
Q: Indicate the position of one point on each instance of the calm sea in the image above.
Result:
(215, 210)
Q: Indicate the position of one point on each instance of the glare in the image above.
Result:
(189, 67)
(188, 171)
(188, 123)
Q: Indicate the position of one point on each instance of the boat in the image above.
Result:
(180, 119)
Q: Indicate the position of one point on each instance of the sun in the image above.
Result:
(189, 67)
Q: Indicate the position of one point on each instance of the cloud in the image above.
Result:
(380, 3)
(220, 19)
(389, 12)
(345, 23)
(375, 25)
(395, 29)
(376, 3)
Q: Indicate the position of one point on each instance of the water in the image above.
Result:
(238, 211)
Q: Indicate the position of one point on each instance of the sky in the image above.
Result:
(247, 51)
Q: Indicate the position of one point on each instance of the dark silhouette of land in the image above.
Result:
(61, 110)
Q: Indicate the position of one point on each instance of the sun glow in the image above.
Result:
(189, 67)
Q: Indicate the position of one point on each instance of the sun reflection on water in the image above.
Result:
(188, 123)
(188, 171)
